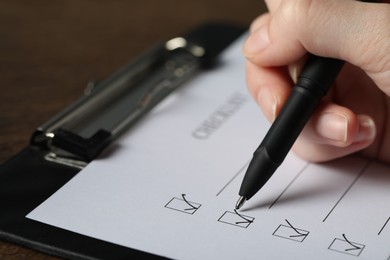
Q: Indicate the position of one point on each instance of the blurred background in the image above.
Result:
(50, 50)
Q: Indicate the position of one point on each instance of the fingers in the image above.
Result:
(259, 21)
(336, 125)
(276, 48)
(272, 4)
(349, 30)
(333, 132)
(270, 87)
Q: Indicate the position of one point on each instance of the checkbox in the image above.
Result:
(290, 233)
(346, 247)
(183, 205)
(236, 219)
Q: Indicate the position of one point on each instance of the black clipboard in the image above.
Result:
(60, 148)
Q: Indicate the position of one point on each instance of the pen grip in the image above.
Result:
(318, 75)
(313, 83)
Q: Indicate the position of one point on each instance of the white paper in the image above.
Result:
(169, 186)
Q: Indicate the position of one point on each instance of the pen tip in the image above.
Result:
(240, 202)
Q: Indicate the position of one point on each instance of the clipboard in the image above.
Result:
(64, 145)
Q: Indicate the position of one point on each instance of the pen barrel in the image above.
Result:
(313, 83)
(289, 124)
(254, 180)
(319, 74)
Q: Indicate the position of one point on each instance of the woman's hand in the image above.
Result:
(355, 115)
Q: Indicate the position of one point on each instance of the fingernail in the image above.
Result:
(333, 126)
(257, 41)
(294, 71)
(367, 129)
(268, 102)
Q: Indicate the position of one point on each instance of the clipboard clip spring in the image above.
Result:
(83, 130)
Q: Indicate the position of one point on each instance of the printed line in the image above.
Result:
(288, 186)
(347, 190)
(349, 242)
(186, 201)
(232, 179)
(296, 230)
(380, 231)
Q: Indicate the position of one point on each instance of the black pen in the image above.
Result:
(313, 83)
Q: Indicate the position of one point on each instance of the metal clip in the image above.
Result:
(78, 164)
(107, 109)
(181, 43)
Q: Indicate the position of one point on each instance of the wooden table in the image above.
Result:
(49, 50)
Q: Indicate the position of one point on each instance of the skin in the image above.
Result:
(354, 116)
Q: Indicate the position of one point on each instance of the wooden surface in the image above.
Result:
(49, 50)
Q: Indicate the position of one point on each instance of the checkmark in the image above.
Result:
(354, 247)
(290, 232)
(192, 206)
(246, 219)
(346, 246)
(236, 219)
(299, 233)
(183, 205)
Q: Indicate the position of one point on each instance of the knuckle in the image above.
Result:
(297, 11)
(297, 14)
(373, 44)
(259, 21)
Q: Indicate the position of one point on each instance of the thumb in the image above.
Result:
(353, 31)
